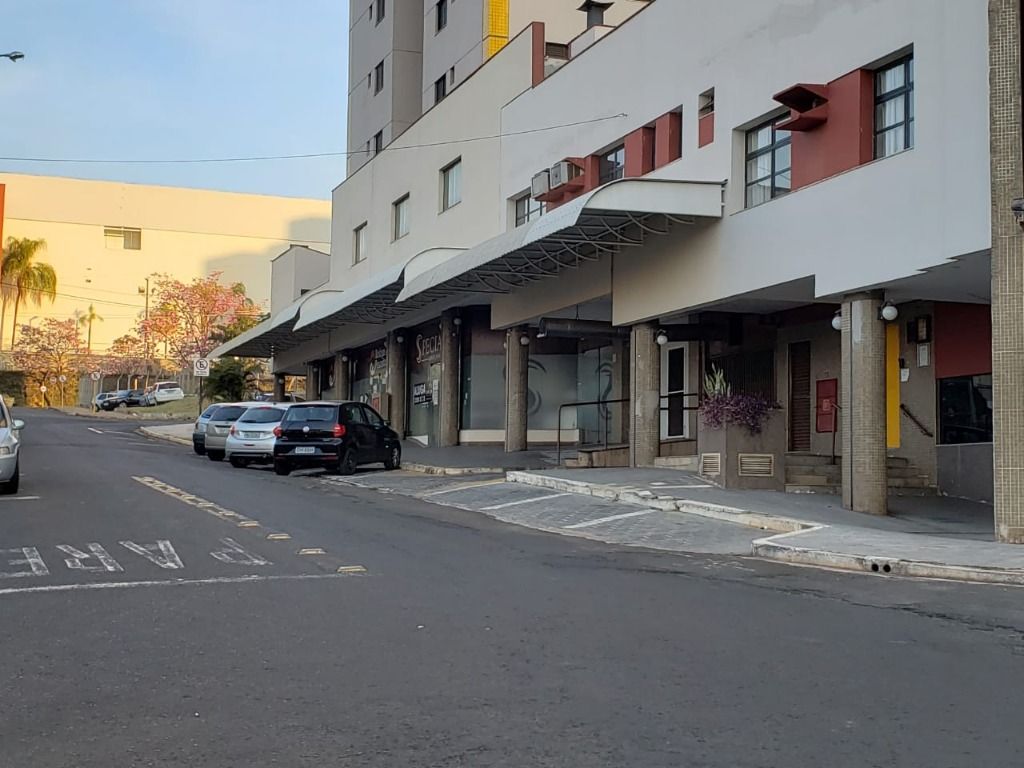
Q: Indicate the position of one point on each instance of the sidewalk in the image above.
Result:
(175, 433)
(471, 459)
(935, 537)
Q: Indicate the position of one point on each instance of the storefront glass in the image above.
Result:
(424, 350)
(370, 374)
(965, 410)
(483, 374)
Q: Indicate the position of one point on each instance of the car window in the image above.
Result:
(168, 385)
(227, 413)
(4, 418)
(262, 415)
(209, 412)
(310, 413)
(372, 417)
(352, 414)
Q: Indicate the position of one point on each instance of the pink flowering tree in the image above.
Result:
(47, 353)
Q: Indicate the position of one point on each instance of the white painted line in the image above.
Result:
(601, 520)
(97, 431)
(695, 485)
(19, 498)
(464, 487)
(522, 501)
(176, 582)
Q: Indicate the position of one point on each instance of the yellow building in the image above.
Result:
(105, 238)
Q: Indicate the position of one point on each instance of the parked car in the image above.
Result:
(289, 397)
(10, 450)
(218, 426)
(166, 392)
(251, 438)
(100, 400)
(199, 430)
(134, 398)
(338, 436)
(147, 396)
(115, 401)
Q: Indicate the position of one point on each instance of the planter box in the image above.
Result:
(733, 458)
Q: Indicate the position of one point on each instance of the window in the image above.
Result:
(451, 76)
(378, 82)
(613, 164)
(400, 217)
(372, 417)
(122, 238)
(359, 243)
(451, 185)
(378, 142)
(768, 162)
(440, 88)
(706, 103)
(380, 10)
(442, 14)
(262, 415)
(965, 409)
(528, 209)
(894, 108)
(352, 414)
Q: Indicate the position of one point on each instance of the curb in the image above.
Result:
(431, 469)
(148, 432)
(734, 515)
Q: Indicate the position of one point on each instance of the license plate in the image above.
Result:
(253, 435)
(305, 450)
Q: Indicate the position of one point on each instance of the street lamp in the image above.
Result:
(12, 55)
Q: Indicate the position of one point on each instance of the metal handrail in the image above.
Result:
(558, 437)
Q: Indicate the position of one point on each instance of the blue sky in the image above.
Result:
(154, 79)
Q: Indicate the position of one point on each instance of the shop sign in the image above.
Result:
(420, 395)
(428, 348)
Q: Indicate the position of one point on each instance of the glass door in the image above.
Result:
(675, 421)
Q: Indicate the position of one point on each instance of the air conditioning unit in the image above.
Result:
(541, 184)
(560, 173)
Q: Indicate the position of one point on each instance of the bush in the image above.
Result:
(720, 407)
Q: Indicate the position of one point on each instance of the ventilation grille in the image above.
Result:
(711, 464)
(757, 464)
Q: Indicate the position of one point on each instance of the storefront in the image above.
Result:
(369, 375)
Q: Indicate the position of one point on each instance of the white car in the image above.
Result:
(97, 402)
(10, 450)
(166, 392)
(251, 438)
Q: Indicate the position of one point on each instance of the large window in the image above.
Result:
(768, 162)
(965, 409)
(894, 108)
(442, 14)
(613, 164)
(440, 88)
(400, 216)
(528, 209)
(359, 244)
(122, 238)
(451, 185)
(378, 78)
(380, 10)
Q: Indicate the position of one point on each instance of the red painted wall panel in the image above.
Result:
(668, 139)
(963, 340)
(844, 141)
(706, 130)
(639, 152)
(826, 397)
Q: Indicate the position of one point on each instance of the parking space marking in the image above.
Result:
(344, 570)
(97, 431)
(463, 487)
(611, 518)
(196, 501)
(508, 504)
(19, 498)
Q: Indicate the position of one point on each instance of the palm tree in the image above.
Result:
(19, 253)
(29, 280)
(85, 320)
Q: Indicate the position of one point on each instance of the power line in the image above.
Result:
(302, 156)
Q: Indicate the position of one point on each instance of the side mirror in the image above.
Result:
(18, 425)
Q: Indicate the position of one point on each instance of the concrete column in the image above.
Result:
(448, 434)
(342, 376)
(279, 382)
(396, 380)
(311, 382)
(1007, 171)
(645, 391)
(863, 415)
(620, 387)
(517, 389)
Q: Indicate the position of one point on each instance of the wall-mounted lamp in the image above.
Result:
(344, 358)
(456, 321)
(524, 340)
(661, 338)
(837, 320)
(400, 339)
(888, 312)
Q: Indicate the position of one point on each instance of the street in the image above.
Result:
(160, 609)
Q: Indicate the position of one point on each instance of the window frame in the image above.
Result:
(381, 11)
(611, 168)
(378, 78)
(440, 24)
(904, 92)
(396, 207)
(772, 149)
(359, 244)
(441, 88)
(531, 214)
(378, 142)
(130, 238)
(447, 203)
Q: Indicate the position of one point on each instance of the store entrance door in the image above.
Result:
(425, 386)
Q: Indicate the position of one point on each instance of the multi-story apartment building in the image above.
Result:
(780, 191)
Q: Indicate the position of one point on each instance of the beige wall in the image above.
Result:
(186, 233)
(825, 362)
(297, 270)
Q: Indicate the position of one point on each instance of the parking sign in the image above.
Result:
(201, 367)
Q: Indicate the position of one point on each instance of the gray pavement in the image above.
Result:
(464, 641)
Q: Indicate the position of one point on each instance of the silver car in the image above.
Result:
(218, 426)
(199, 429)
(251, 438)
(10, 450)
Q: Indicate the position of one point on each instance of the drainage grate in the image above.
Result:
(711, 464)
(757, 464)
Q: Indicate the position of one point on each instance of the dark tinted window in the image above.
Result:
(209, 411)
(169, 385)
(262, 415)
(311, 413)
(352, 414)
(227, 413)
(965, 410)
(372, 417)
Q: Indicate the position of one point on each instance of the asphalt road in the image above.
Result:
(145, 621)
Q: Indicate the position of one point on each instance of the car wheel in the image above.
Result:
(200, 450)
(394, 459)
(215, 455)
(347, 464)
(282, 468)
(238, 462)
(11, 486)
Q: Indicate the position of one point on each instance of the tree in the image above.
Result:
(231, 379)
(127, 357)
(49, 352)
(18, 257)
(26, 280)
(86, 319)
(186, 316)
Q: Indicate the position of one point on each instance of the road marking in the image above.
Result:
(278, 537)
(191, 499)
(97, 431)
(464, 487)
(182, 582)
(161, 554)
(29, 556)
(19, 498)
(697, 485)
(76, 559)
(601, 520)
(312, 551)
(234, 554)
(522, 501)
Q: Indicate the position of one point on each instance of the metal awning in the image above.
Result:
(617, 216)
(261, 340)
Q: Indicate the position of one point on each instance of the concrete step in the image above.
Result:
(927, 490)
(918, 481)
(823, 470)
(799, 479)
(807, 459)
(829, 489)
(677, 462)
(893, 462)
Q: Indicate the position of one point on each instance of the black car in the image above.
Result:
(134, 398)
(115, 401)
(336, 436)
